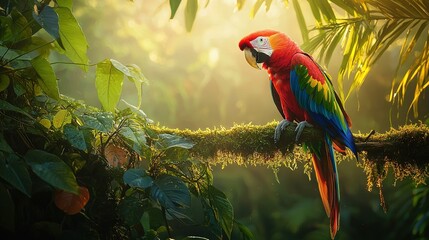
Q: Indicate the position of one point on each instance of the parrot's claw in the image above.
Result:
(283, 124)
(300, 128)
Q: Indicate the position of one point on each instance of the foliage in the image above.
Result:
(60, 157)
(121, 177)
(365, 31)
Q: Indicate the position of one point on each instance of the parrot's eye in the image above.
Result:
(261, 41)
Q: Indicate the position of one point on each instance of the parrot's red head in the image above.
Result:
(268, 48)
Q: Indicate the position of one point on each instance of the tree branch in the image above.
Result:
(406, 149)
(408, 144)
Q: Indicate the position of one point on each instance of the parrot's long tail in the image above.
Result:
(327, 179)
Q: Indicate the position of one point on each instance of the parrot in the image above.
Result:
(303, 93)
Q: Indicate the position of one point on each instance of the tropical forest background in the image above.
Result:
(176, 64)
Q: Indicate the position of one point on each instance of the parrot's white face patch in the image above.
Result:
(262, 45)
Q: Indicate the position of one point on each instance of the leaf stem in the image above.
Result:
(20, 55)
(164, 215)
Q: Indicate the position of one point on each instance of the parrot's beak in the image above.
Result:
(250, 58)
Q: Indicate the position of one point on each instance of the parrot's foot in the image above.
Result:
(300, 128)
(283, 124)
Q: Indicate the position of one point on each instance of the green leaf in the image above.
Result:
(174, 5)
(137, 177)
(20, 27)
(6, 106)
(190, 13)
(7, 209)
(256, 7)
(65, 3)
(52, 170)
(130, 209)
(246, 233)
(72, 37)
(170, 141)
(301, 21)
(48, 80)
(121, 67)
(60, 118)
(4, 146)
(240, 4)
(138, 78)
(136, 110)
(7, 34)
(136, 138)
(4, 82)
(18, 89)
(171, 192)
(75, 137)
(14, 171)
(224, 212)
(108, 82)
(48, 20)
(102, 121)
(145, 221)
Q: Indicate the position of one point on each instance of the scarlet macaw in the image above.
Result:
(303, 92)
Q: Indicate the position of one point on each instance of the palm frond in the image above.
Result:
(365, 30)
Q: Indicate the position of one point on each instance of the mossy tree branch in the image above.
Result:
(405, 149)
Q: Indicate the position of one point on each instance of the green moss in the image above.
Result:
(404, 151)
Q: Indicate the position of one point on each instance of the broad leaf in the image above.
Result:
(52, 170)
(65, 3)
(6, 106)
(48, 80)
(136, 110)
(4, 146)
(138, 78)
(170, 192)
(136, 139)
(101, 121)
(190, 13)
(48, 20)
(75, 137)
(61, 118)
(169, 141)
(108, 82)
(116, 156)
(130, 209)
(14, 171)
(174, 5)
(121, 67)
(137, 177)
(72, 37)
(5, 81)
(18, 26)
(145, 221)
(223, 209)
(45, 122)
(245, 232)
